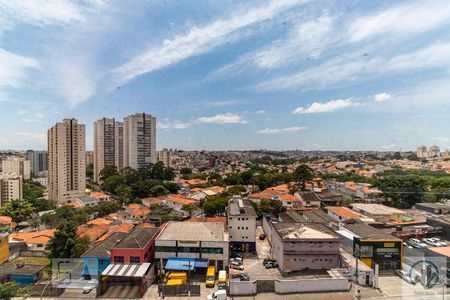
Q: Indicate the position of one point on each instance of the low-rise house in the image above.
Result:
(193, 240)
(137, 247)
(176, 201)
(101, 197)
(302, 246)
(434, 208)
(343, 214)
(98, 258)
(134, 213)
(378, 212)
(152, 201)
(36, 241)
(21, 274)
(242, 225)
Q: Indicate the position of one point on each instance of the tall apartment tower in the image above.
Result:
(164, 157)
(66, 161)
(139, 140)
(422, 152)
(434, 151)
(10, 188)
(38, 162)
(17, 165)
(108, 145)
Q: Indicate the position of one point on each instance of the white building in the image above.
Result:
(18, 166)
(422, 152)
(194, 240)
(66, 161)
(10, 188)
(242, 225)
(434, 151)
(164, 157)
(139, 140)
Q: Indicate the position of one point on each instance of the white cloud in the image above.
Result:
(173, 125)
(280, 130)
(260, 111)
(382, 97)
(31, 135)
(198, 40)
(330, 106)
(416, 17)
(226, 118)
(353, 66)
(224, 102)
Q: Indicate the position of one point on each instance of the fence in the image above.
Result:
(179, 290)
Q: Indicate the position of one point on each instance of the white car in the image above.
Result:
(405, 276)
(431, 242)
(237, 266)
(219, 295)
(439, 242)
(417, 243)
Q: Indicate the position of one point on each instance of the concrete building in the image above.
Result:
(89, 158)
(195, 240)
(137, 247)
(10, 188)
(301, 246)
(38, 162)
(108, 143)
(434, 151)
(66, 161)
(422, 152)
(164, 157)
(139, 140)
(17, 165)
(242, 225)
(378, 212)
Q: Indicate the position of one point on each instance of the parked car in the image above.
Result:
(417, 243)
(236, 266)
(236, 255)
(218, 295)
(241, 276)
(266, 260)
(238, 259)
(438, 242)
(407, 246)
(431, 242)
(271, 265)
(403, 275)
(262, 236)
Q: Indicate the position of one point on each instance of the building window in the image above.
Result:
(118, 259)
(135, 259)
(165, 249)
(102, 262)
(212, 250)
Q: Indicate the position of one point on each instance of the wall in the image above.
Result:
(243, 288)
(242, 228)
(311, 285)
(4, 248)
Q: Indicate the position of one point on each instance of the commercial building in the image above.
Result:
(38, 162)
(374, 246)
(17, 165)
(139, 140)
(434, 208)
(137, 247)
(164, 157)
(242, 225)
(194, 240)
(10, 188)
(378, 212)
(108, 145)
(66, 161)
(301, 246)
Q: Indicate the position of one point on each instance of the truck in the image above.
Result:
(219, 295)
(175, 278)
(222, 280)
(211, 277)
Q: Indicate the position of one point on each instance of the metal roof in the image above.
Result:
(126, 270)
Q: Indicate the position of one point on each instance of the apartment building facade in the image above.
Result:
(242, 225)
(139, 142)
(17, 165)
(10, 188)
(38, 162)
(66, 161)
(108, 145)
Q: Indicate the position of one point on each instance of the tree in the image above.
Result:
(185, 171)
(32, 190)
(189, 208)
(302, 174)
(158, 190)
(18, 210)
(108, 171)
(112, 182)
(90, 171)
(65, 243)
(9, 290)
(215, 205)
(403, 191)
(214, 178)
(236, 190)
(106, 208)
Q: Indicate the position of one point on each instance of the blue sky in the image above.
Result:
(282, 74)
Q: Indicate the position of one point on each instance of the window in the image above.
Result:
(165, 249)
(212, 250)
(135, 259)
(102, 262)
(118, 259)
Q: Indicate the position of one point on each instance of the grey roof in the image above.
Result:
(87, 199)
(137, 238)
(436, 205)
(9, 269)
(193, 231)
(247, 209)
(103, 248)
(368, 232)
(304, 231)
(309, 216)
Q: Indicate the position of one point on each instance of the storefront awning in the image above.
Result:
(185, 264)
(126, 270)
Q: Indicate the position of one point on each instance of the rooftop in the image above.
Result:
(365, 231)
(445, 251)
(304, 231)
(376, 209)
(8, 269)
(103, 248)
(246, 208)
(138, 237)
(193, 231)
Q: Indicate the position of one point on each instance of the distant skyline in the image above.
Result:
(231, 75)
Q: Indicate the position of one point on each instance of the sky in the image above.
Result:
(230, 75)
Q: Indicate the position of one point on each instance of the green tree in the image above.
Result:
(185, 171)
(66, 243)
(90, 171)
(215, 205)
(106, 208)
(158, 190)
(236, 190)
(32, 190)
(214, 178)
(403, 191)
(112, 182)
(303, 174)
(9, 290)
(18, 210)
(189, 208)
(108, 171)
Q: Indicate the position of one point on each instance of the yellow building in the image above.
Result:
(4, 248)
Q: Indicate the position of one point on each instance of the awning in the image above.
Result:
(185, 264)
(126, 270)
